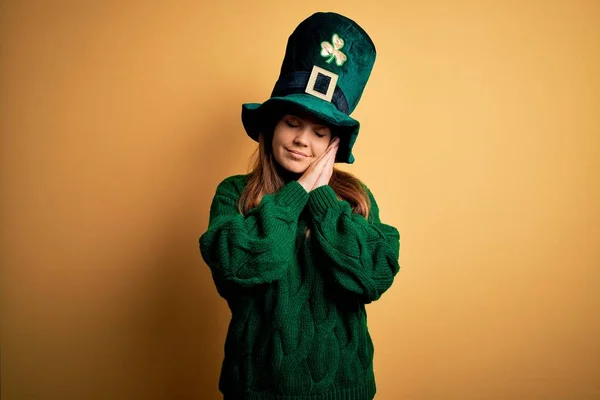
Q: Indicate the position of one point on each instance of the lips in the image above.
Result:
(298, 153)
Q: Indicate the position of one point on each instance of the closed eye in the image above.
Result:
(288, 123)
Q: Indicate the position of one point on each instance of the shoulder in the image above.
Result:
(364, 186)
(372, 203)
(367, 190)
(232, 186)
(354, 182)
(357, 187)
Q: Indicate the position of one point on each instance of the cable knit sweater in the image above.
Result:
(298, 328)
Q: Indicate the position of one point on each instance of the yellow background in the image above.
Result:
(480, 140)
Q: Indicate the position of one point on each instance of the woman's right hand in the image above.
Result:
(312, 173)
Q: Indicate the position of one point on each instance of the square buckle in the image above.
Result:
(310, 86)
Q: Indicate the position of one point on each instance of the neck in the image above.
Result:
(286, 175)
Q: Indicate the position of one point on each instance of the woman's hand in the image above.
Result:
(328, 168)
(320, 171)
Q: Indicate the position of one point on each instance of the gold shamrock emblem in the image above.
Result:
(333, 51)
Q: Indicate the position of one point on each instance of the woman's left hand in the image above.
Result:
(328, 168)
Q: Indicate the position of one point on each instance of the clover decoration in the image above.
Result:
(333, 51)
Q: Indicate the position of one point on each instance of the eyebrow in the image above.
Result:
(304, 120)
(318, 126)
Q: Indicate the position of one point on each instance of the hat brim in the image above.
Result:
(256, 117)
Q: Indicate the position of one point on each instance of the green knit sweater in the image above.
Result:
(298, 328)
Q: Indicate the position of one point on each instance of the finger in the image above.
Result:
(318, 159)
(329, 157)
(320, 165)
(335, 148)
(330, 162)
(332, 148)
(321, 161)
(327, 153)
(324, 154)
(334, 155)
(331, 153)
(329, 167)
(335, 141)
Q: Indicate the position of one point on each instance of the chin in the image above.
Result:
(295, 168)
(291, 166)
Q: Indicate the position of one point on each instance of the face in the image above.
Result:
(297, 142)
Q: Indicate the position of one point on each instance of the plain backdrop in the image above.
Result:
(480, 138)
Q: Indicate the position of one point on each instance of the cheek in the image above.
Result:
(277, 143)
(321, 148)
(278, 148)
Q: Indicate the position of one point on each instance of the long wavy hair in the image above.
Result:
(265, 179)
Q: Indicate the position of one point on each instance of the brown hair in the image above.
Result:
(265, 179)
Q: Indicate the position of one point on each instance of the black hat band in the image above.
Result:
(296, 82)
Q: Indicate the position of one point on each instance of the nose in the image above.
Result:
(301, 138)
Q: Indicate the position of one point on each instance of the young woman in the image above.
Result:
(296, 247)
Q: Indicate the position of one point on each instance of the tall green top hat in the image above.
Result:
(327, 63)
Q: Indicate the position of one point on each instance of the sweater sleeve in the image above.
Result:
(253, 249)
(362, 254)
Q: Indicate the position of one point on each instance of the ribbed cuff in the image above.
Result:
(293, 195)
(366, 391)
(320, 200)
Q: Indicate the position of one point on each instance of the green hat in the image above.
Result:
(327, 63)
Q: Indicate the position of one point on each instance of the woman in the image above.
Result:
(296, 247)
